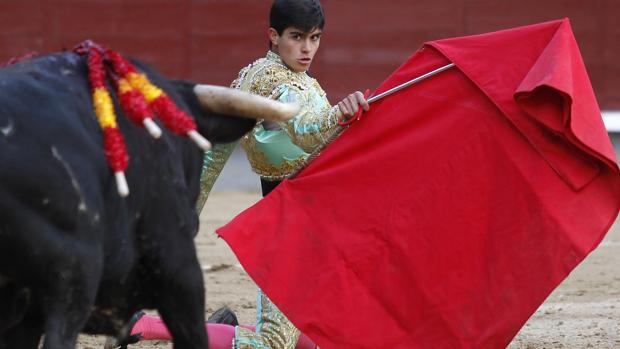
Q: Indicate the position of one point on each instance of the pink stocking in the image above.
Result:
(305, 342)
(220, 335)
(152, 327)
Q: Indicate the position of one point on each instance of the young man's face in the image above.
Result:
(295, 47)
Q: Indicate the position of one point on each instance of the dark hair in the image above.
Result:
(301, 14)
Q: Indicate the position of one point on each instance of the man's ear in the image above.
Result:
(273, 37)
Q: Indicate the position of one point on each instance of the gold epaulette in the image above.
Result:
(264, 75)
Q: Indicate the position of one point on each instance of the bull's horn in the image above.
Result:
(228, 101)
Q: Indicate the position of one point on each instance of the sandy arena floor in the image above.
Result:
(584, 312)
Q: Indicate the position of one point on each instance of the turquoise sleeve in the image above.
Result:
(213, 163)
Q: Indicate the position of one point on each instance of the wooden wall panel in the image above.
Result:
(210, 40)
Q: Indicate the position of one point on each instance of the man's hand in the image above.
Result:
(350, 104)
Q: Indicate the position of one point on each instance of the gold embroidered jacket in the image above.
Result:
(276, 151)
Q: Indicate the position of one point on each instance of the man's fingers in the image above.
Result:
(349, 106)
(353, 104)
(361, 100)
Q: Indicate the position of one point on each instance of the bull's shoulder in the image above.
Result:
(49, 135)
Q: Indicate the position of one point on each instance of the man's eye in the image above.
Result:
(316, 37)
(296, 37)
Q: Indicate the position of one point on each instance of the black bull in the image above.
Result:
(74, 255)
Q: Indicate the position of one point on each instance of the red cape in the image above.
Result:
(447, 215)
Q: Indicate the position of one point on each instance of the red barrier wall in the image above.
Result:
(210, 40)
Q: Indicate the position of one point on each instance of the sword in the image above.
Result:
(339, 129)
(409, 83)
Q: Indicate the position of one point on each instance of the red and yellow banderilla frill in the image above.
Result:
(114, 144)
(139, 98)
(132, 83)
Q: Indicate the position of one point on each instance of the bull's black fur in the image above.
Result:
(74, 255)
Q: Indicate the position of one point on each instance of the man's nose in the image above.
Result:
(305, 46)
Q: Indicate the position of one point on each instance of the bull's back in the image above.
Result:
(50, 144)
